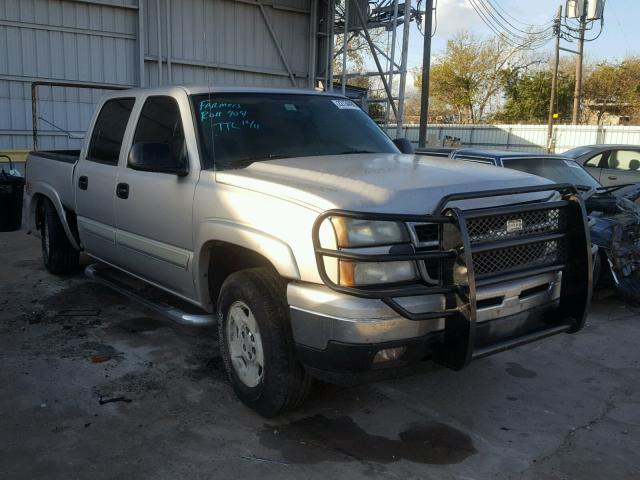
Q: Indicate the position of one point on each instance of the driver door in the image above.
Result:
(153, 209)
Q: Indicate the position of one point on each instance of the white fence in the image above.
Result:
(523, 138)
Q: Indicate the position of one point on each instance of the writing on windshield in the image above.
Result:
(236, 129)
(225, 117)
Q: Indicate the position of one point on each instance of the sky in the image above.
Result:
(619, 38)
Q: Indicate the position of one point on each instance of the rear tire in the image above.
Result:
(256, 342)
(58, 254)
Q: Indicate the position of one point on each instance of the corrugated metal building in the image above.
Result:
(139, 43)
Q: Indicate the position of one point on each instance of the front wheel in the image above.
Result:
(256, 342)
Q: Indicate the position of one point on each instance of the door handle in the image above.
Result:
(83, 183)
(122, 190)
(612, 177)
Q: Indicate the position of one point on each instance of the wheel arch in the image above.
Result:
(228, 247)
(34, 211)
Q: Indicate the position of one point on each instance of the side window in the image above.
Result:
(160, 124)
(594, 161)
(625, 160)
(108, 131)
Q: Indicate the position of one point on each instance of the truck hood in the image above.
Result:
(381, 183)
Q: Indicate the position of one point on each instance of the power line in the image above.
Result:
(504, 29)
(531, 28)
(529, 38)
(549, 22)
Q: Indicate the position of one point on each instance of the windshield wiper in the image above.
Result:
(347, 152)
(245, 162)
(268, 156)
(613, 188)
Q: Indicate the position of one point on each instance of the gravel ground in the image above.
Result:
(93, 386)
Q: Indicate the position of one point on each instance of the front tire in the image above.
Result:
(256, 342)
(58, 254)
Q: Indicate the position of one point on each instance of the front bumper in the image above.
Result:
(491, 293)
(329, 339)
(340, 360)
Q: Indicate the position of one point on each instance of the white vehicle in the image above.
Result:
(324, 251)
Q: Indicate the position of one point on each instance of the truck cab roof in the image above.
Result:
(201, 89)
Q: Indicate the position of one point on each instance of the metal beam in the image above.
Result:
(569, 50)
(225, 66)
(345, 48)
(391, 60)
(275, 6)
(331, 25)
(369, 74)
(55, 28)
(375, 57)
(34, 99)
(313, 42)
(159, 43)
(104, 3)
(277, 43)
(168, 15)
(141, 74)
(403, 75)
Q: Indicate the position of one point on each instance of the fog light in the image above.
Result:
(461, 270)
(389, 354)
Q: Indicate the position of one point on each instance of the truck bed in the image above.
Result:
(66, 156)
(53, 170)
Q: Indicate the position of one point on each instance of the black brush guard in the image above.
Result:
(457, 280)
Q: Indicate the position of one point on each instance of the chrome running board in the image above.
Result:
(112, 278)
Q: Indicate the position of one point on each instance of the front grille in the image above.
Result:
(487, 229)
(509, 259)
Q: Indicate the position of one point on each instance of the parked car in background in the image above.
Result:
(436, 151)
(609, 164)
(614, 218)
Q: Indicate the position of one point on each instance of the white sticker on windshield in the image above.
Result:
(345, 105)
(573, 164)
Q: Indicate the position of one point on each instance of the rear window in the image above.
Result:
(108, 131)
(577, 152)
(555, 169)
(485, 161)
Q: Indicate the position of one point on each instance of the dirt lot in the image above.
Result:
(93, 386)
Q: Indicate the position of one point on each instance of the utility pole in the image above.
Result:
(554, 81)
(577, 94)
(426, 69)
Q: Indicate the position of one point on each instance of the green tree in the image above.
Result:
(466, 79)
(614, 89)
(527, 97)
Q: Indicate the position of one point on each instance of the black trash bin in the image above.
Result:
(11, 190)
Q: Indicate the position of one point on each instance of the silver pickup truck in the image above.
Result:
(319, 248)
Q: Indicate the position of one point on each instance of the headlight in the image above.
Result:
(372, 273)
(351, 232)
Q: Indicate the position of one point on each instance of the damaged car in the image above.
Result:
(614, 218)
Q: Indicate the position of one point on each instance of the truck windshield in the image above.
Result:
(237, 129)
(556, 170)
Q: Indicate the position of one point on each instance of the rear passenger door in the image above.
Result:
(154, 218)
(622, 167)
(95, 179)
